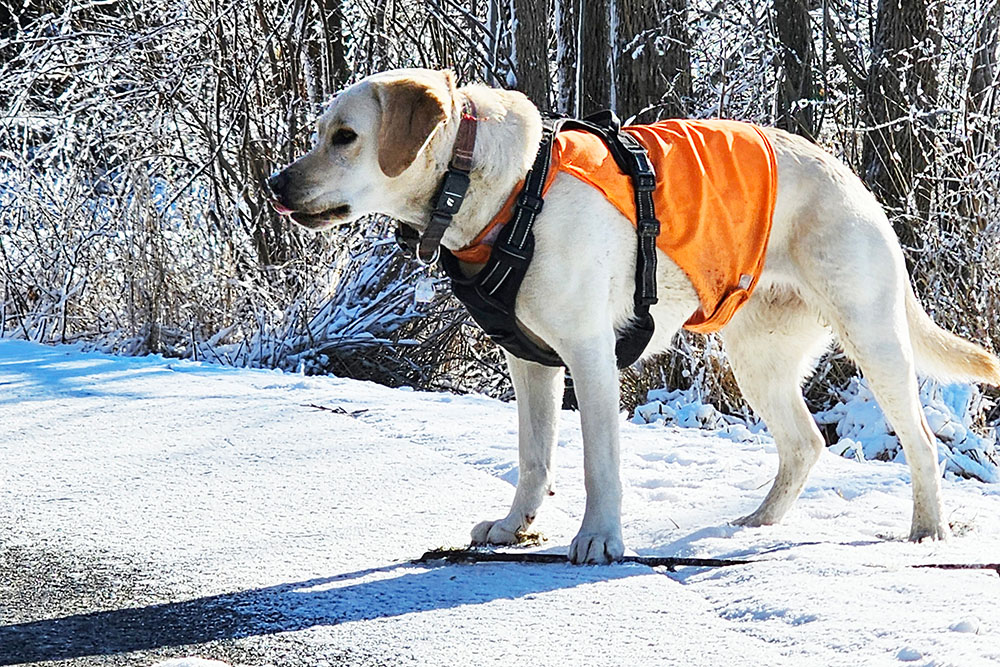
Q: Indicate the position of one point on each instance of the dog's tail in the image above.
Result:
(943, 355)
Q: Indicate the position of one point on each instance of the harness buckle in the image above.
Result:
(530, 202)
(645, 181)
(648, 228)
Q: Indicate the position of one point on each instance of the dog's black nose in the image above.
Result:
(277, 183)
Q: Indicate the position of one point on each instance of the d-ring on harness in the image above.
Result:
(490, 295)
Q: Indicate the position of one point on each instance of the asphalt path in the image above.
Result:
(153, 510)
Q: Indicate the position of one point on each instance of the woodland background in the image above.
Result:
(136, 136)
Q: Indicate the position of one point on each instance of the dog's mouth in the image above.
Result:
(321, 220)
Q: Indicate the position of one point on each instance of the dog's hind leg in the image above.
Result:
(877, 339)
(859, 285)
(772, 344)
(538, 390)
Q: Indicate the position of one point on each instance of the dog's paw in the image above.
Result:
(932, 531)
(748, 521)
(495, 532)
(759, 518)
(598, 548)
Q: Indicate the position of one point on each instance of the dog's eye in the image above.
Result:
(342, 137)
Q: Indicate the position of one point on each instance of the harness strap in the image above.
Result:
(647, 226)
(630, 348)
(632, 159)
(515, 244)
(491, 294)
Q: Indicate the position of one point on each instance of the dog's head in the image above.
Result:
(367, 142)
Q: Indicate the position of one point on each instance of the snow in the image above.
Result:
(967, 625)
(864, 433)
(861, 427)
(218, 493)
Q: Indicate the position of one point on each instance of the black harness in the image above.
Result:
(490, 295)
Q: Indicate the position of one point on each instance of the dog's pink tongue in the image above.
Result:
(280, 208)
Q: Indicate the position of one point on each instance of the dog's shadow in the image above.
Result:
(381, 593)
(687, 545)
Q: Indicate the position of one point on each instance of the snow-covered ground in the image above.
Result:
(154, 509)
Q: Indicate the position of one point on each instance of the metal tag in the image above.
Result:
(424, 290)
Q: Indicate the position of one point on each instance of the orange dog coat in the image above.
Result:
(716, 182)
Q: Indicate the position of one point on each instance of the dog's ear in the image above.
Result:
(412, 108)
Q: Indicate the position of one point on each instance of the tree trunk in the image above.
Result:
(676, 100)
(567, 19)
(336, 70)
(982, 78)
(595, 56)
(652, 62)
(980, 128)
(901, 91)
(795, 81)
(531, 49)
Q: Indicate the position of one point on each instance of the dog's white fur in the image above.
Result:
(833, 265)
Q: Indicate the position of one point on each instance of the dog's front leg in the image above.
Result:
(595, 380)
(538, 390)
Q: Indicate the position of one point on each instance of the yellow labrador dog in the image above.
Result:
(833, 265)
